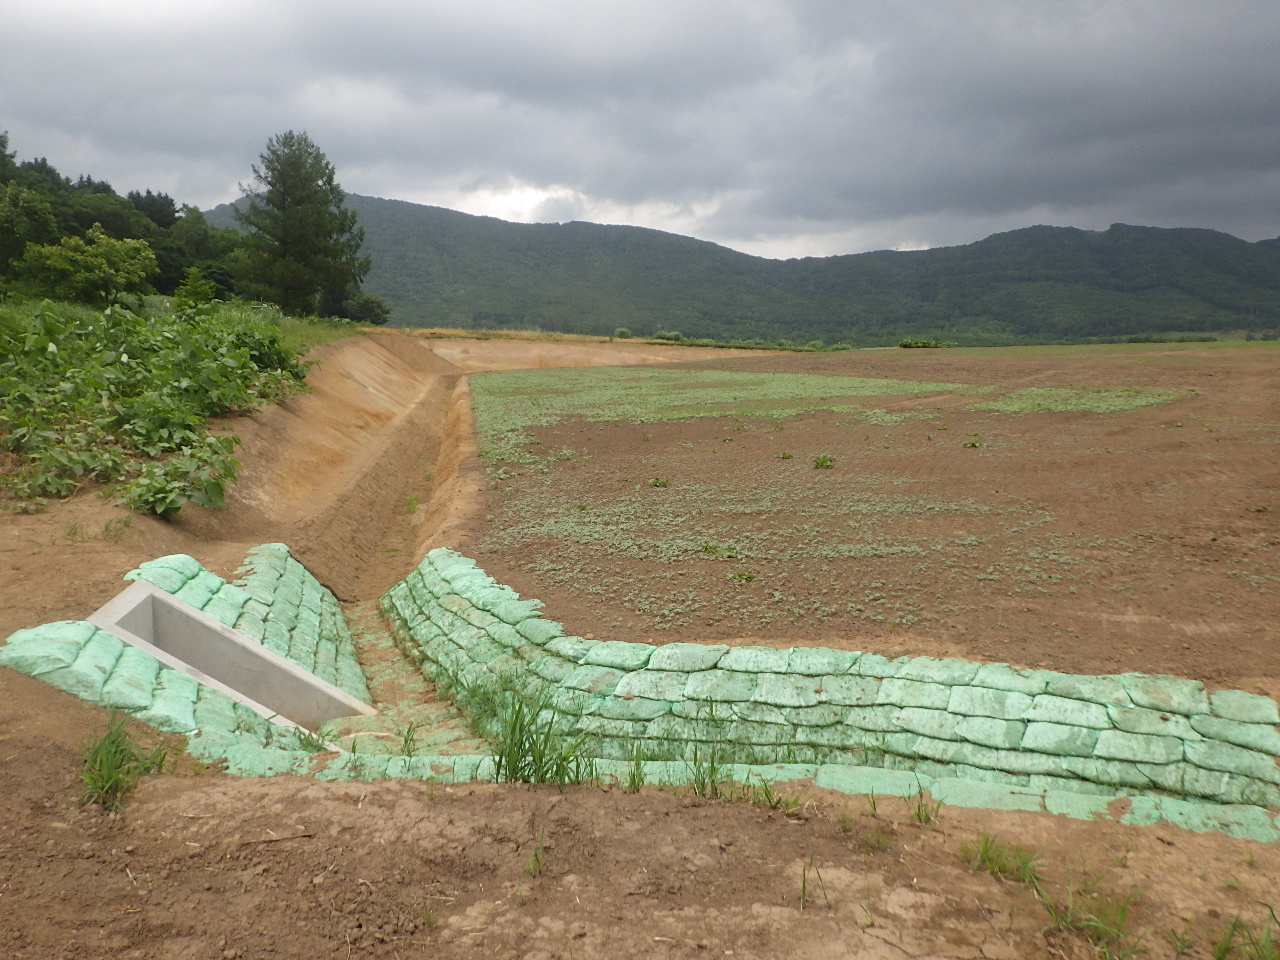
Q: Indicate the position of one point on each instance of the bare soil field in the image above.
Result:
(1171, 539)
(1085, 542)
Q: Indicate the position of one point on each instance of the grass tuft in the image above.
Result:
(923, 809)
(526, 748)
(1003, 861)
(1242, 940)
(533, 866)
(113, 763)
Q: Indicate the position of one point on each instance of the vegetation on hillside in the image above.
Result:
(80, 241)
(122, 398)
(114, 386)
(1041, 284)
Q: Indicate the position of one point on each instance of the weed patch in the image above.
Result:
(1064, 400)
(508, 403)
(114, 397)
(1003, 861)
(526, 748)
(1245, 940)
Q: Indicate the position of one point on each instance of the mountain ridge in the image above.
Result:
(441, 267)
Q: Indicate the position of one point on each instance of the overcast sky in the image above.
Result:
(784, 128)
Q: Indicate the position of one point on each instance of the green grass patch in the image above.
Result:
(301, 335)
(526, 747)
(508, 403)
(1065, 400)
(1004, 861)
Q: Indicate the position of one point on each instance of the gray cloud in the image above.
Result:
(784, 128)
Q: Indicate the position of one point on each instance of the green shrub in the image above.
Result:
(923, 342)
(196, 289)
(622, 333)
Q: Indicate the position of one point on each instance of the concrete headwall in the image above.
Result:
(276, 602)
(1126, 735)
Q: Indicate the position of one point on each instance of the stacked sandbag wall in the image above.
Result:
(1123, 735)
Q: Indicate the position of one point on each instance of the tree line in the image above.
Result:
(80, 241)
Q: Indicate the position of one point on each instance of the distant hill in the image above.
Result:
(438, 267)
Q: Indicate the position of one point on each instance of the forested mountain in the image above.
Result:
(438, 267)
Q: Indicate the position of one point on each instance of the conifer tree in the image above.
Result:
(301, 239)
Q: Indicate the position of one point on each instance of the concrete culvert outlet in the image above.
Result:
(188, 640)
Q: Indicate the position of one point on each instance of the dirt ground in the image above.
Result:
(1083, 542)
(203, 865)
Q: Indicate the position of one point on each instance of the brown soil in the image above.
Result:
(1082, 542)
(202, 865)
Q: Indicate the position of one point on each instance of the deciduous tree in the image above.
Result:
(95, 268)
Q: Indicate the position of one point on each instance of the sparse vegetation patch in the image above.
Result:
(1063, 400)
(509, 403)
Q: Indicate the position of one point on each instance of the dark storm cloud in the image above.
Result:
(783, 128)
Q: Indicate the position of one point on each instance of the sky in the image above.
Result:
(782, 128)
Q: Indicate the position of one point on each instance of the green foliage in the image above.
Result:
(111, 396)
(25, 217)
(622, 333)
(924, 342)
(526, 748)
(159, 208)
(1242, 940)
(923, 810)
(805, 891)
(509, 402)
(92, 269)
(195, 290)
(312, 741)
(1062, 399)
(113, 763)
(353, 305)
(823, 461)
(708, 773)
(1101, 919)
(198, 473)
(301, 239)
(39, 206)
(533, 866)
(408, 739)
(635, 769)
